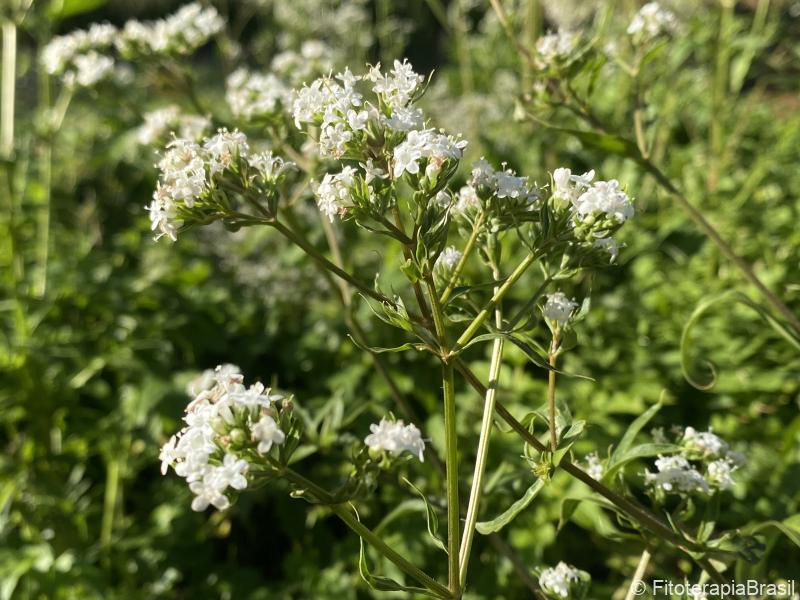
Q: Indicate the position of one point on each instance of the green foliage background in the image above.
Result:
(92, 370)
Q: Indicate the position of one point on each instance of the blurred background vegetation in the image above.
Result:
(100, 328)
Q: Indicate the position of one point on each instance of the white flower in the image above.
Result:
(610, 245)
(223, 148)
(333, 193)
(652, 20)
(169, 119)
(468, 201)
(435, 147)
(704, 443)
(594, 468)
(568, 187)
(251, 95)
(91, 68)
(559, 580)
(676, 475)
(62, 51)
(719, 473)
(395, 437)
(553, 47)
(202, 451)
(607, 198)
(266, 432)
(397, 88)
(558, 308)
(448, 259)
(180, 33)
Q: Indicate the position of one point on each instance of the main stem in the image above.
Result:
(8, 87)
(451, 442)
(551, 393)
(483, 447)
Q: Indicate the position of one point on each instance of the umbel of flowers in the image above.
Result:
(704, 466)
(203, 182)
(234, 434)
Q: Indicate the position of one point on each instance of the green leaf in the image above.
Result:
(634, 428)
(61, 9)
(496, 524)
(380, 350)
(789, 527)
(620, 459)
(384, 584)
(432, 519)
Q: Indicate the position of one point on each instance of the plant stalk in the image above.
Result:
(483, 446)
(341, 511)
(473, 238)
(634, 590)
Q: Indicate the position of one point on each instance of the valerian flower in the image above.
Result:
(395, 437)
(651, 21)
(564, 582)
(448, 259)
(558, 308)
(223, 422)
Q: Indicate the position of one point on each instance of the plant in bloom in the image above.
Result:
(227, 425)
(705, 465)
(564, 582)
(651, 21)
(198, 182)
(395, 437)
(558, 308)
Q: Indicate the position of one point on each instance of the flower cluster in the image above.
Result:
(427, 151)
(651, 21)
(598, 208)
(296, 67)
(227, 425)
(448, 259)
(704, 465)
(76, 58)
(553, 48)
(395, 437)
(255, 95)
(558, 308)
(160, 123)
(191, 175)
(594, 466)
(502, 192)
(564, 582)
(180, 33)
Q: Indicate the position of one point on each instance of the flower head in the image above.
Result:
(558, 308)
(395, 437)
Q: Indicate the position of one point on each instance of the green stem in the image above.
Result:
(473, 238)
(483, 446)
(341, 511)
(8, 88)
(551, 393)
(451, 465)
(487, 310)
(317, 256)
(634, 590)
(451, 442)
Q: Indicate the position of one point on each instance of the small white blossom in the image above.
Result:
(719, 474)
(91, 68)
(427, 145)
(334, 197)
(676, 475)
(395, 437)
(202, 453)
(559, 581)
(604, 197)
(651, 21)
(554, 47)
(251, 95)
(558, 308)
(267, 432)
(594, 467)
(610, 245)
(180, 33)
(704, 443)
(448, 259)
(398, 87)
